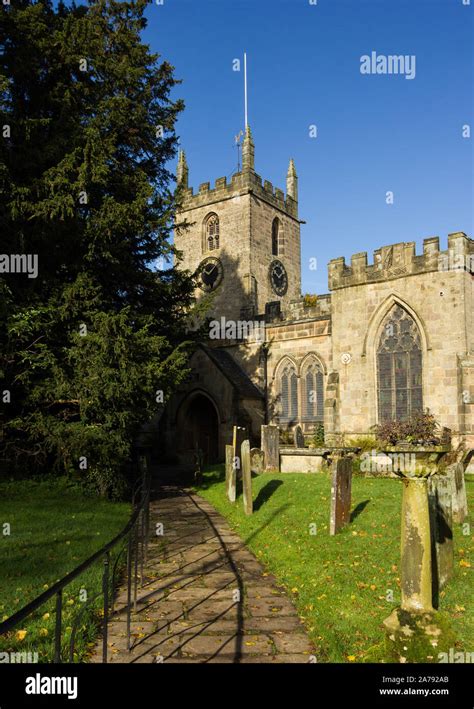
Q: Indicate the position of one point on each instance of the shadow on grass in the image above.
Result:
(357, 510)
(265, 493)
(212, 474)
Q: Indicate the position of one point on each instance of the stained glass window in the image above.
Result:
(313, 392)
(289, 393)
(399, 367)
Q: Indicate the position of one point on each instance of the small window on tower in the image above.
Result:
(275, 236)
(211, 233)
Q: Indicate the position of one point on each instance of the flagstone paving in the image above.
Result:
(205, 597)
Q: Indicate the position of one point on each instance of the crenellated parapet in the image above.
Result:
(400, 260)
(240, 183)
(247, 181)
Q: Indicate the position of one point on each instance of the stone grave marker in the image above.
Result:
(298, 437)
(238, 436)
(455, 473)
(271, 447)
(341, 484)
(441, 521)
(247, 478)
(230, 473)
(256, 460)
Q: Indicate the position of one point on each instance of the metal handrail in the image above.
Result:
(136, 527)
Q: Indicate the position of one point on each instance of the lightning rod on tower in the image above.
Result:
(245, 88)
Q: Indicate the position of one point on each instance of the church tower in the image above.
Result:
(244, 237)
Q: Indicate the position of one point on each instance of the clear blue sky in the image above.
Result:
(375, 133)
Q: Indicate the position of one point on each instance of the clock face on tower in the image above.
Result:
(278, 277)
(210, 273)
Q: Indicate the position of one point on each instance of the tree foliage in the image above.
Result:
(84, 185)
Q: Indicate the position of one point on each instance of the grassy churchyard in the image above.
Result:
(343, 586)
(53, 528)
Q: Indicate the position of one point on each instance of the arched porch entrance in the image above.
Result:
(198, 427)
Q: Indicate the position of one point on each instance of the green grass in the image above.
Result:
(54, 527)
(339, 584)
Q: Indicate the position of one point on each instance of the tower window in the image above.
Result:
(211, 233)
(399, 367)
(275, 236)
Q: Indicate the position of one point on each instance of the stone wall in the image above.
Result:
(262, 214)
(296, 340)
(234, 251)
(439, 301)
(246, 208)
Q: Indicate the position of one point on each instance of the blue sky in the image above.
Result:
(376, 133)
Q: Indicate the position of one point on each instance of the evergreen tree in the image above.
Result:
(88, 128)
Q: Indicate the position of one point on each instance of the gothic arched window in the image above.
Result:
(275, 236)
(399, 367)
(211, 232)
(288, 393)
(313, 391)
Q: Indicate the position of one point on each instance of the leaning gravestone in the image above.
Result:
(230, 473)
(256, 461)
(441, 522)
(246, 478)
(271, 447)
(455, 473)
(340, 494)
(298, 437)
(238, 436)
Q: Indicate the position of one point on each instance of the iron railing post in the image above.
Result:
(129, 585)
(135, 575)
(142, 535)
(147, 522)
(105, 589)
(57, 631)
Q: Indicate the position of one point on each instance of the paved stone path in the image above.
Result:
(205, 597)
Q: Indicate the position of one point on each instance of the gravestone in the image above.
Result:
(455, 473)
(238, 437)
(341, 484)
(298, 437)
(271, 447)
(441, 521)
(256, 461)
(230, 473)
(246, 478)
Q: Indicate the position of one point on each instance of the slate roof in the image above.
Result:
(234, 373)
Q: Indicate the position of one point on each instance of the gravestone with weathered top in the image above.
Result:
(441, 521)
(271, 447)
(341, 484)
(298, 437)
(239, 434)
(455, 474)
(246, 478)
(256, 460)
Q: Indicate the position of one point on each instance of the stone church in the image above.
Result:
(391, 338)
